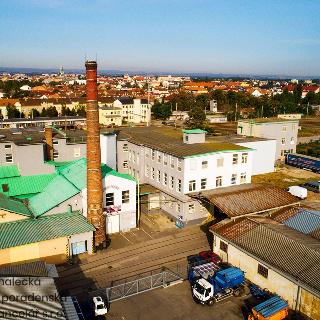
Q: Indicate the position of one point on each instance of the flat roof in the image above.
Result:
(169, 140)
(268, 120)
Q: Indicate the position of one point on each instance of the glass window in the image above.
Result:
(204, 164)
(125, 196)
(235, 158)
(153, 154)
(234, 178)
(147, 169)
(263, 271)
(55, 154)
(165, 160)
(158, 176)
(203, 183)
(172, 162)
(125, 164)
(109, 199)
(7, 146)
(76, 152)
(179, 165)
(220, 162)
(191, 208)
(179, 186)
(284, 128)
(283, 140)
(55, 142)
(125, 147)
(219, 181)
(9, 158)
(244, 158)
(223, 246)
(172, 182)
(178, 207)
(159, 157)
(153, 173)
(192, 185)
(243, 177)
(165, 179)
(292, 140)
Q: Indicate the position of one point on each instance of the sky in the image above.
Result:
(262, 37)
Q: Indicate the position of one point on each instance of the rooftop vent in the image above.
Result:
(5, 187)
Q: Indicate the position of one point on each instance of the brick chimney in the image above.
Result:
(49, 142)
(94, 177)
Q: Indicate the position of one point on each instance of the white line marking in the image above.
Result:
(146, 233)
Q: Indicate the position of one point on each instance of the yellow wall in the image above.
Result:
(52, 251)
(309, 305)
(6, 216)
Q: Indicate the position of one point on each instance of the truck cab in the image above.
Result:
(202, 291)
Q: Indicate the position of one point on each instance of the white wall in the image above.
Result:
(264, 156)
(108, 145)
(87, 236)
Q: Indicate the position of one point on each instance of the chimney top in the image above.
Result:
(91, 64)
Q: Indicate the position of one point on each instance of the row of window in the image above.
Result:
(284, 152)
(283, 140)
(203, 182)
(110, 198)
(284, 128)
(262, 270)
(163, 178)
(191, 207)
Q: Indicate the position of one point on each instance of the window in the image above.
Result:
(133, 157)
(125, 147)
(125, 164)
(158, 176)
(76, 152)
(293, 127)
(219, 181)
(243, 178)
(223, 246)
(170, 204)
(204, 164)
(172, 162)
(153, 173)
(55, 142)
(165, 179)
(284, 128)
(172, 182)
(192, 185)
(165, 160)
(109, 199)
(244, 158)
(125, 196)
(9, 158)
(55, 154)
(187, 138)
(7, 146)
(292, 140)
(147, 168)
(263, 271)
(159, 157)
(179, 185)
(178, 208)
(179, 164)
(191, 208)
(283, 140)
(234, 178)
(234, 158)
(153, 154)
(146, 152)
(282, 153)
(220, 162)
(203, 183)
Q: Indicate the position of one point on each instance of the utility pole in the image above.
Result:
(262, 111)
(235, 115)
(308, 109)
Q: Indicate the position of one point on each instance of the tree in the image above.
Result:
(43, 112)
(197, 117)
(52, 112)
(161, 110)
(34, 113)
(81, 110)
(13, 112)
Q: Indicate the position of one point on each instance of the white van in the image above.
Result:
(297, 191)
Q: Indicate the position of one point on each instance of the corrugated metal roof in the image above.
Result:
(14, 206)
(256, 199)
(27, 231)
(9, 171)
(304, 221)
(56, 192)
(26, 185)
(31, 269)
(286, 249)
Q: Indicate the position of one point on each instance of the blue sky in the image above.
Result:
(227, 36)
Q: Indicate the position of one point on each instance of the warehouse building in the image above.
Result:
(279, 251)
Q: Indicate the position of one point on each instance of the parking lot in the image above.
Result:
(173, 303)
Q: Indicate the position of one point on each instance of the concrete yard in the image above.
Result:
(173, 303)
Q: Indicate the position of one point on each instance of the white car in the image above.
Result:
(100, 308)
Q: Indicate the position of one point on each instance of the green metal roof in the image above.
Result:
(13, 206)
(56, 192)
(60, 164)
(27, 231)
(194, 131)
(109, 171)
(26, 186)
(9, 171)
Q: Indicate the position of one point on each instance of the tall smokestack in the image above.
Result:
(49, 142)
(94, 177)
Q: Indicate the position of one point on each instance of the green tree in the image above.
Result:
(81, 110)
(197, 117)
(161, 110)
(44, 112)
(34, 113)
(52, 112)
(13, 112)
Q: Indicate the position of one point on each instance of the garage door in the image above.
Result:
(113, 224)
(79, 247)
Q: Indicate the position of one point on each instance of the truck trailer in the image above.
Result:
(303, 162)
